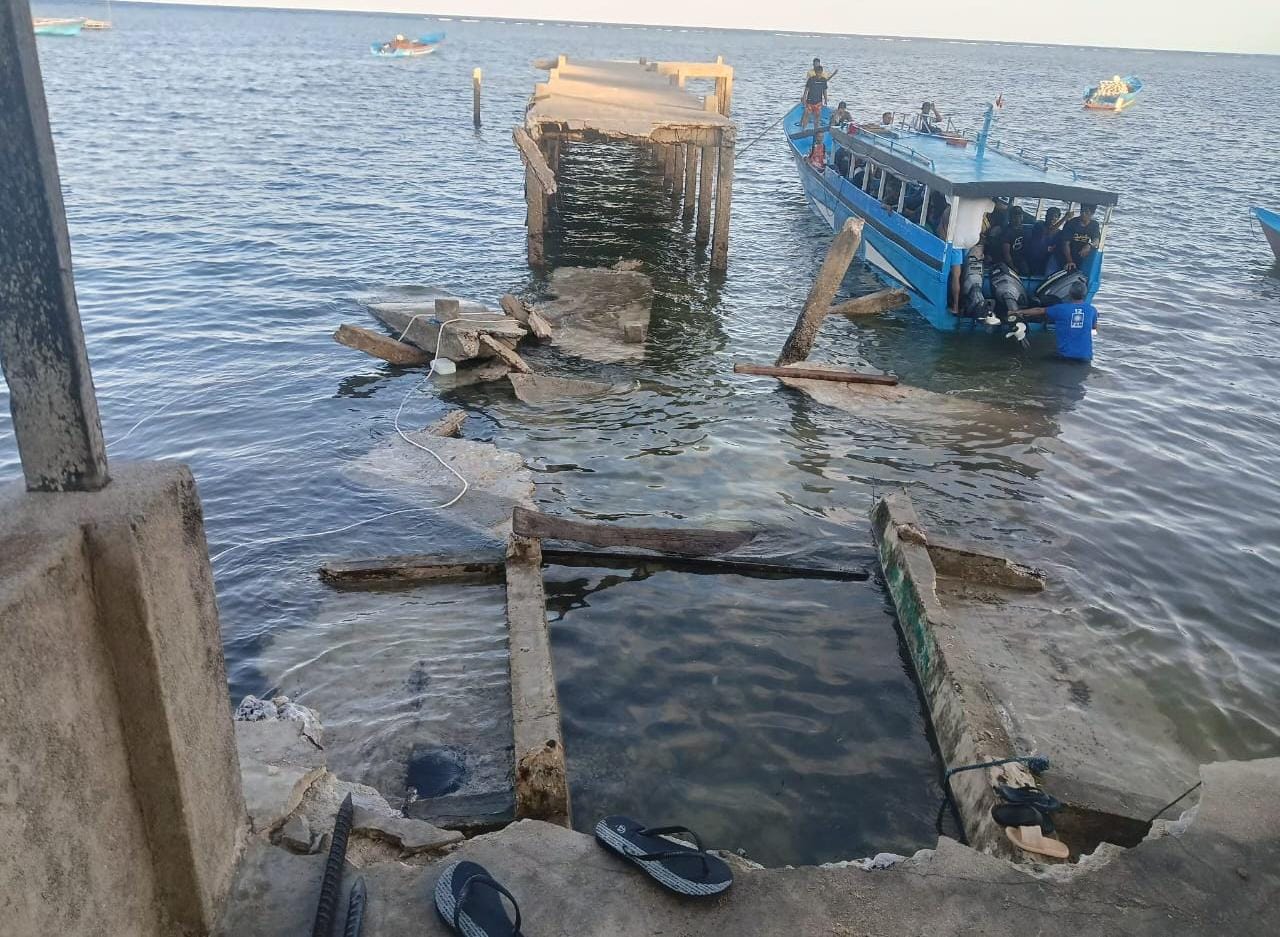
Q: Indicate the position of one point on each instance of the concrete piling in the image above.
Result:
(706, 182)
(724, 198)
(690, 179)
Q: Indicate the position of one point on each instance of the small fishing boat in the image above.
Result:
(97, 24)
(400, 47)
(46, 26)
(1113, 94)
(924, 199)
(1270, 222)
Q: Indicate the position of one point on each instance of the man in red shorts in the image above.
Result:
(814, 98)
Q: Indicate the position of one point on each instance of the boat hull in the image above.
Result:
(58, 27)
(1114, 102)
(1270, 222)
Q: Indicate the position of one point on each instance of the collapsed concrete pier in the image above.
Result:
(645, 104)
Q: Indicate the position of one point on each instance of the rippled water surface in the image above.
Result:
(237, 181)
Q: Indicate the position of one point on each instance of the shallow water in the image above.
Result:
(237, 181)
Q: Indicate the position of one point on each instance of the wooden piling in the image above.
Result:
(690, 179)
(839, 255)
(677, 171)
(668, 164)
(706, 180)
(536, 218)
(724, 198)
(475, 97)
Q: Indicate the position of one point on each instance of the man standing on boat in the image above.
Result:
(1080, 238)
(1073, 322)
(926, 124)
(814, 97)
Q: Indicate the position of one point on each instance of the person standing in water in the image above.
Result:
(1074, 323)
(814, 97)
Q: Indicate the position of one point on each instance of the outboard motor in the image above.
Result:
(1006, 289)
(973, 302)
(1057, 288)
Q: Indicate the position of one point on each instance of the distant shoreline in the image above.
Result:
(457, 17)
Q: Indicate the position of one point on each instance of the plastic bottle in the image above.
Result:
(443, 366)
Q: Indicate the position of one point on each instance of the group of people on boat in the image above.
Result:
(1039, 248)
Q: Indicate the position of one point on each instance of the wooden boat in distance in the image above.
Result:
(47, 26)
(400, 47)
(1114, 94)
(1270, 222)
(97, 24)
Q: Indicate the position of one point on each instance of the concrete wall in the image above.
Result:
(120, 804)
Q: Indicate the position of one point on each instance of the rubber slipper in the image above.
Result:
(1026, 828)
(676, 865)
(469, 900)
(1032, 796)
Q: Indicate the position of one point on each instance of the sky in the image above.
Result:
(1217, 26)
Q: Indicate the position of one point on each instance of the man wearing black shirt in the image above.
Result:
(1080, 238)
(815, 96)
(1012, 241)
(1040, 245)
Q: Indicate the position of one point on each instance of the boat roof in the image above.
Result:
(953, 169)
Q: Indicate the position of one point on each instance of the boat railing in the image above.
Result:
(1041, 161)
(898, 148)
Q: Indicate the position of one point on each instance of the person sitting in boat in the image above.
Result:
(843, 161)
(1012, 242)
(886, 120)
(938, 214)
(993, 225)
(1073, 322)
(926, 124)
(1038, 246)
(818, 155)
(840, 117)
(814, 97)
(1080, 237)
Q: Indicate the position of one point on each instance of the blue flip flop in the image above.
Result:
(469, 900)
(681, 867)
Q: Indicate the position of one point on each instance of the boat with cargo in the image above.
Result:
(1113, 94)
(400, 47)
(926, 195)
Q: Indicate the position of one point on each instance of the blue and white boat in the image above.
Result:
(940, 186)
(1114, 94)
(400, 47)
(1270, 222)
(50, 26)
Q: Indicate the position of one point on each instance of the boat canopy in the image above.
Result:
(949, 165)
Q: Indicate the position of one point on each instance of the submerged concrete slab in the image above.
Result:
(537, 389)
(1214, 872)
(592, 309)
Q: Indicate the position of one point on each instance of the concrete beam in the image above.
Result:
(51, 395)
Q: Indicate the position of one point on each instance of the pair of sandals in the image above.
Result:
(1026, 816)
(470, 900)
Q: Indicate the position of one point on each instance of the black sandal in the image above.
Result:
(469, 900)
(676, 865)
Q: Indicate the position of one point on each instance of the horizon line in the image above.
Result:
(268, 5)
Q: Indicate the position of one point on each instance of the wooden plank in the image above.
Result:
(690, 180)
(764, 568)
(836, 264)
(535, 218)
(541, 779)
(724, 200)
(505, 354)
(476, 78)
(526, 315)
(677, 171)
(380, 346)
(415, 568)
(706, 189)
(534, 160)
(676, 540)
(449, 425)
(872, 304)
(816, 374)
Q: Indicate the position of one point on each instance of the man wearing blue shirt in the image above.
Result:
(1073, 324)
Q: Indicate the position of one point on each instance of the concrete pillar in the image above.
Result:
(117, 750)
(690, 179)
(706, 182)
(677, 171)
(724, 198)
(536, 218)
(668, 164)
(51, 395)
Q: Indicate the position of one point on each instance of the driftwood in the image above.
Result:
(843, 246)
(527, 316)
(380, 346)
(504, 354)
(448, 425)
(764, 568)
(414, 568)
(816, 374)
(682, 542)
(872, 304)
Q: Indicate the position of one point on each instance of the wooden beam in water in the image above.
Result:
(526, 316)
(412, 569)
(380, 346)
(836, 264)
(541, 779)
(448, 425)
(816, 374)
(675, 540)
(765, 568)
(535, 218)
(677, 170)
(690, 180)
(543, 177)
(706, 191)
(872, 304)
(724, 199)
(505, 354)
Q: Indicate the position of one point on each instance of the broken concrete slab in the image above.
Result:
(295, 835)
(1212, 872)
(542, 388)
(420, 324)
(408, 835)
(278, 765)
(483, 371)
(592, 308)
(498, 479)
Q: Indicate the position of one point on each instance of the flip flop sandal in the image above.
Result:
(1027, 827)
(469, 900)
(672, 863)
(1031, 796)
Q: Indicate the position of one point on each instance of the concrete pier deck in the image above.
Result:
(646, 104)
